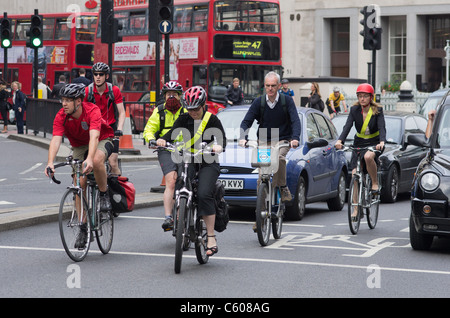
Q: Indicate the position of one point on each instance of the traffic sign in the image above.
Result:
(165, 27)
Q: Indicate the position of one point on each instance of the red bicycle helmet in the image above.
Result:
(365, 88)
(194, 97)
(172, 86)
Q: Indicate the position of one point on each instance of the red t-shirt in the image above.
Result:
(102, 102)
(77, 130)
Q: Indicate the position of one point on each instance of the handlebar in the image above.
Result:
(69, 161)
(179, 147)
(254, 144)
(352, 148)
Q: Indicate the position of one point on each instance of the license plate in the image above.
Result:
(233, 184)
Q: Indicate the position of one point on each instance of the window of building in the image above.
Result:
(438, 31)
(397, 49)
(340, 47)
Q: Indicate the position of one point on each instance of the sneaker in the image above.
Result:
(105, 203)
(285, 194)
(167, 224)
(81, 241)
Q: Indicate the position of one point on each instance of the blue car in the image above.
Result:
(316, 171)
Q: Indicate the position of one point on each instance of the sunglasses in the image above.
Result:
(99, 74)
(195, 109)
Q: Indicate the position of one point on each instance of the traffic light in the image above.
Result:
(106, 20)
(116, 27)
(5, 31)
(365, 29)
(371, 31)
(165, 12)
(36, 32)
(374, 39)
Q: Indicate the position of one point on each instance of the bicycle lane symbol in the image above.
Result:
(291, 240)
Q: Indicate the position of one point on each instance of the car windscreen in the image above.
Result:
(443, 137)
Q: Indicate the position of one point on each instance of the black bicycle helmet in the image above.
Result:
(173, 86)
(194, 97)
(73, 91)
(100, 67)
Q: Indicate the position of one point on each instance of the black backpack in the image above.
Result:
(222, 216)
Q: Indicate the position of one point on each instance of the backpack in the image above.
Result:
(111, 99)
(122, 194)
(222, 216)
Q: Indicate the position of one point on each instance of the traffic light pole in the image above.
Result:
(166, 59)
(374, 64)
(5, 65)
(35, 67)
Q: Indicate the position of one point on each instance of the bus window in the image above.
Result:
(62, 31)
(138, 23)
(251, 16)
(84, 54)
(22, 27)
(182, 19)
(49, 26)
(86, 28)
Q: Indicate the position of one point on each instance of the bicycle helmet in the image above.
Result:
(100, 67)
(194, 97)
(173, 86)
(72, 91)
(365, 88)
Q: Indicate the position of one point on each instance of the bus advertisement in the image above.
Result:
(213, 42)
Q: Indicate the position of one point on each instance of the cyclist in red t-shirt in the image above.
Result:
(113, 111)
(89, 135)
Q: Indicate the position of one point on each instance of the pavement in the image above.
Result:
(17, 217)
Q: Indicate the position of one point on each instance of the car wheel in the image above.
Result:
(389, 191)
(419, 241)
(337, 203)
(297, 210)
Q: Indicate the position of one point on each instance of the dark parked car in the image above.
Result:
(430, 194)
(315, 170)
(399, 160)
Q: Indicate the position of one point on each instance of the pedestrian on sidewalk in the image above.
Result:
(19, 105)
(4, 95)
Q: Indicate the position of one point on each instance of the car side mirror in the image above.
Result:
(418, 140)
(316, 143)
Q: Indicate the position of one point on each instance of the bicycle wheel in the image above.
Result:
(353, 195)
(75, 233)
(277, 221)
(104, 228)
(372, 204)
(200, 241)
(263, 219)
(180, 233)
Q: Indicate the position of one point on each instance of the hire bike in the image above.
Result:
(81, 209)
(360, 195)
(269, 207)
(187, 226)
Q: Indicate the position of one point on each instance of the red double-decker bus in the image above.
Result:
(68, 42)
(213, 42)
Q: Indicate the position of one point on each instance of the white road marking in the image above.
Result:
(6, 202)
(32, 168)
(254, 260)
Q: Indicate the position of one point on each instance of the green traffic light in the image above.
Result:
(36, 42)
(6, 43)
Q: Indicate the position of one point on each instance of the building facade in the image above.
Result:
(324, 41)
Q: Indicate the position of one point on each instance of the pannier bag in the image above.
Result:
(222, 216)
(121, 193)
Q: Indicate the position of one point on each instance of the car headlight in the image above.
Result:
(429, 181)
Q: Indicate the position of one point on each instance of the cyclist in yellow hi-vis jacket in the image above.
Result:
(371, 130)
(158, 124)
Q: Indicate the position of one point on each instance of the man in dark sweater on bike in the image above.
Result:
(278, 121)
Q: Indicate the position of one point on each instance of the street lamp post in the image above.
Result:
(447, 57)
